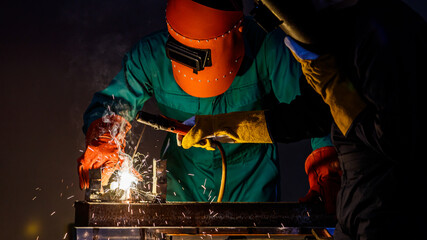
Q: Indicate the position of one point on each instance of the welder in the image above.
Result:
(366, 59)
(210, 60)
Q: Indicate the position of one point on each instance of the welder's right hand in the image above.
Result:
(235, 127)
(105, 141)
(206, 143)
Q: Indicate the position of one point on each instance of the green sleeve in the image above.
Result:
(317, 143)
(127, 92)
(283, 70)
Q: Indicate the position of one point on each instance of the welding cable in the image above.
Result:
(224, 171)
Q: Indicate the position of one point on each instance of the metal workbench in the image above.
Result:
(195, 220)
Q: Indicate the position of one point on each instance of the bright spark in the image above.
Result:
(126, 178)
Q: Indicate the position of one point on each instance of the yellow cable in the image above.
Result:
(224, 172)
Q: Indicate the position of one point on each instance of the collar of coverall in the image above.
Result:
(202, 27)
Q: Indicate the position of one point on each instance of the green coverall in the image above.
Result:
(268, 75)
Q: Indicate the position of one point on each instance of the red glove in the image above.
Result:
(324, 177)
(105, 140)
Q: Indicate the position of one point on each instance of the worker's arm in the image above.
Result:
(305, 117)
(128, 91)
(388, 62)
(106, 121)
(331, 83)
(374, 114)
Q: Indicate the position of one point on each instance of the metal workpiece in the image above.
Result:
(93, 193)
(189, 216)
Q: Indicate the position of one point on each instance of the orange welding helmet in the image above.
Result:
(205, 46)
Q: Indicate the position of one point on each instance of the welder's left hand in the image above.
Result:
(324, 177)
(236, 127)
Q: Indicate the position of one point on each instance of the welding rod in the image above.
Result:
(154, 190)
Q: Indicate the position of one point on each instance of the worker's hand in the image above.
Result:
(189, 122)
(324, 176)
(236, 127)
(205, 143)
(105, 142)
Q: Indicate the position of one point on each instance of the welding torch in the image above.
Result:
(163, 123)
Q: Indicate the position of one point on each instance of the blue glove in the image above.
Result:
(299, 51)
(191, 121)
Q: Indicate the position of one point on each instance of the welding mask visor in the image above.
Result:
(205, 46)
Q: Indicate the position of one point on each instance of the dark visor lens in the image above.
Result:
(194, 58)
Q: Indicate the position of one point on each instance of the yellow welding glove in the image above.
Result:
(236, 127)
(105, 143)
(335, 88)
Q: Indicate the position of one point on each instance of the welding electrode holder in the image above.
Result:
(160, 122)
(163, 123)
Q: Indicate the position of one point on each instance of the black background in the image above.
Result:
(53, 56)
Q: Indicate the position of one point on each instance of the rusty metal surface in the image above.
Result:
(208, 216)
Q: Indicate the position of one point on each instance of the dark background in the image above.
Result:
(53, 56)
